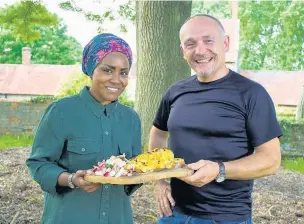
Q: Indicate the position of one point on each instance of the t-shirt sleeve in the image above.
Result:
(262, 123)
(162, 114)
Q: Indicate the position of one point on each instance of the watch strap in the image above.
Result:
(222, 173)
(70, 181)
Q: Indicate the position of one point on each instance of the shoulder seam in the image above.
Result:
(241, 96)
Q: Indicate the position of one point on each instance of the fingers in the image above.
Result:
(165, 201)
(81, 173)
(197, 165)
(90, 189)
(80, 182)
(206, 171)
(165, 206)
(196, 177)
(160, 211)
(170, 198)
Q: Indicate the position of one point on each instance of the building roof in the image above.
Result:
(284, 87)
(33, 79)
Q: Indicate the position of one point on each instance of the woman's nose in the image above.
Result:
(115, 77)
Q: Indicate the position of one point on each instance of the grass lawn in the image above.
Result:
(295, 164)
(9, 141)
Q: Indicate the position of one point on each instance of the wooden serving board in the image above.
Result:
(138, 178)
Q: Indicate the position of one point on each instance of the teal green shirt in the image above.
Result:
(74, 134)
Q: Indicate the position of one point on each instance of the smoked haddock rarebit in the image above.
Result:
(158, 159)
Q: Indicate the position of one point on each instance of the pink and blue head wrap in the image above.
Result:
(100, 46)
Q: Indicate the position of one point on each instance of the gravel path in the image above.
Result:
(277, 199)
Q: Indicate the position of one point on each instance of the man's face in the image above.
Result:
(204, 45)
(110, 77)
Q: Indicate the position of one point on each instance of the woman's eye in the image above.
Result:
(106, 70)
(124, 73)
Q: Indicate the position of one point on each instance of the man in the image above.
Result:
(224, 126)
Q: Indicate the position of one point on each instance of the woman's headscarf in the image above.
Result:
(99, 47)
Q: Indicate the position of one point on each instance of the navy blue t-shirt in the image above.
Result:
(223, 121)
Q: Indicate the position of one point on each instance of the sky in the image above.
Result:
(82, 29)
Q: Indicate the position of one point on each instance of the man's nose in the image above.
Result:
(200, 48)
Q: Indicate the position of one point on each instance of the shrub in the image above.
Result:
(293, 135)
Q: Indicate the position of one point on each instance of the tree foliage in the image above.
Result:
(125, 10)
(22, 19)
(218, 9)
(53, 47)
(271, 32)
(272, 35)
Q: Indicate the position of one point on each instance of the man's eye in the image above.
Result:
(209, 41)
(189, 45)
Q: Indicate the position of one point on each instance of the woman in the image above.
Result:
(78, 131)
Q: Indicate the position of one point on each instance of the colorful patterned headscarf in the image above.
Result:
(99, 47)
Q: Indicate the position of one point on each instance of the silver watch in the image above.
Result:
(222, 174)
(70, 182)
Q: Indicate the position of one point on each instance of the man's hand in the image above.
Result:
(206, 171)
(79, 181)
(165, 202)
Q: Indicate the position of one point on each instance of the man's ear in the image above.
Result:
(226, 43)
(182, 50)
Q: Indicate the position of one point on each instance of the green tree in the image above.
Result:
(54, 47)
(272, 35)
(271, 38)
(159, 23)
(160, 62)
(125, 10)
(23, 17)
(219, 9)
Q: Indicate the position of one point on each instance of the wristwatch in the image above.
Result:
(222, 174)
(70, 182)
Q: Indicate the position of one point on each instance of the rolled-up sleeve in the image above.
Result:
(47, 149)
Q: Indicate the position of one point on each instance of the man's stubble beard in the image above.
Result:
(207, 74)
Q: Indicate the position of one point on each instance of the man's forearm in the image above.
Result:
(158, 139)
(262, 163)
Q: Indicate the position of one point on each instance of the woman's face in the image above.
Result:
(110, 77)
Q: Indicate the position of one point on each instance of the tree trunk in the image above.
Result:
(159, 59)
(300, 108)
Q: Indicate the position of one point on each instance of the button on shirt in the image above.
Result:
(74, 134)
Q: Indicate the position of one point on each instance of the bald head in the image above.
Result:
(202, 16)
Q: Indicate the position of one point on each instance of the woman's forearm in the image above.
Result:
(63, 179)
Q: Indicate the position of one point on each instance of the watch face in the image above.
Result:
(220, 179)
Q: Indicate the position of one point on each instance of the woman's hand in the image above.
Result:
(79, 181)
(165, 202)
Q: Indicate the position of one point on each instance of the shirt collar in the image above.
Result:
(97, 108)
